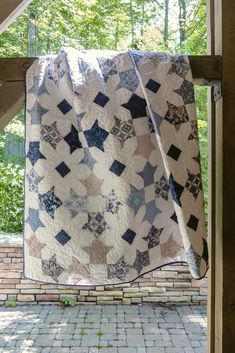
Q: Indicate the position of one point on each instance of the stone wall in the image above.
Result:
(171, 284)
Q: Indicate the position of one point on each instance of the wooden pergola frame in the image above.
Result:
(219, 64)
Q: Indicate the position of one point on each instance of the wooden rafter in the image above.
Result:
(9, 10)
(11, 94)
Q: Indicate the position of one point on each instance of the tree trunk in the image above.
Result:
(117, 26)
(166, 23)
(142, 18)
(182, 20)
(32, 36)
(132, 24)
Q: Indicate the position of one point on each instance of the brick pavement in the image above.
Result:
(103, 329)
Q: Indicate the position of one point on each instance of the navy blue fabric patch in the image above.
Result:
(193, 222)
(63, 169)
(205, 255)
(96, 136)
(117, 167)
(49, 202)
(34, 152)
(64, 106)
(72, 139)
(137, 106)
(62, 237)
(129, 236)
(101, 99)
(174, 217)
(153, 86)
(174, 152)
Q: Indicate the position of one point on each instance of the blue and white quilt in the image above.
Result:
(113, 185)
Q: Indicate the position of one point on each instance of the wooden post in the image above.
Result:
(224, 246)
(211, 187)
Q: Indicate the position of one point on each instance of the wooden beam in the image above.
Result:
(203, 66)
(9, 10)
(206, 66)
(14, 69)
(224, 313)
(11, 101)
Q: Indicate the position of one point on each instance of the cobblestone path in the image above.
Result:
(103, 329)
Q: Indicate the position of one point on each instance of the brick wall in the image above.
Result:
(171, 284)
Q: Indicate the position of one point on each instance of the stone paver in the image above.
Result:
(103, 329)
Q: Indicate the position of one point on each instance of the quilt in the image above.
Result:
(113, 186)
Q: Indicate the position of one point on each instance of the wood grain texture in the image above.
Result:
(224, 330)
(14, 69)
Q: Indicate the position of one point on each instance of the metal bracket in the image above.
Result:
(216, 88)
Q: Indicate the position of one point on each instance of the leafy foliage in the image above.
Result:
(67, 301)
(10, 303)
(11, 197)
(202, 128)
(48, 25)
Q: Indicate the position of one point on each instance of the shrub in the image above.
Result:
(11, 197)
